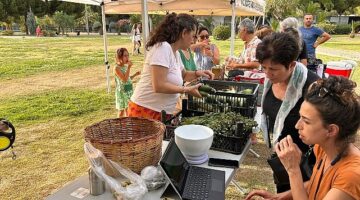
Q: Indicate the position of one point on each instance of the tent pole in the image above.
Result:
(107, 66)
(232, 40)
(145, 22)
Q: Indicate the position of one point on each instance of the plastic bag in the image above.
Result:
(134, 191)
(153, 177)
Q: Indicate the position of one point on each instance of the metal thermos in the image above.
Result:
(96, 185)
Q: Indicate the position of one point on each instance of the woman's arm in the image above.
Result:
(191, 75)
(216, 55)
(162, 85)
(290, 156)
(335, 194)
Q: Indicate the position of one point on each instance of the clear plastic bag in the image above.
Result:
(134, 191)
(153, 177)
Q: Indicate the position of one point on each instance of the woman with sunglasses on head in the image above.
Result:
(330, 119)
(163, 74)
(286, 84)
(206, 54)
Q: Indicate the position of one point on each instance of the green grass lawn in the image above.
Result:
(50, 122)
(343, 42)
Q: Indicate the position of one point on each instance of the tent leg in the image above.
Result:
(107, 66)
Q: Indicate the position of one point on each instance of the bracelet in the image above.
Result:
(183, 90)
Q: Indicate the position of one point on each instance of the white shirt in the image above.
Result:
(144, 95)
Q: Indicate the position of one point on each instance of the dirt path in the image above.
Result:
(90, 78)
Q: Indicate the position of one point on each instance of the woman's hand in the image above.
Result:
(193, 90)
(231, 66)
(262, 193)
(207, 51)
(205, 73)
(268, 196)
(289, 154)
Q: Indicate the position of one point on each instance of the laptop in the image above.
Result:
(191, 182)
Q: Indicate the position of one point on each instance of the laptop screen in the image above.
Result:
(175, 166)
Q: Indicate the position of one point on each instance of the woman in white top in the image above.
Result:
(161, 81)
(136, 38)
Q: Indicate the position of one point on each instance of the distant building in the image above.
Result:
(344, 19)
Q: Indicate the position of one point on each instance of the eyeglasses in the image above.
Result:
(203, 37)
(323, 92)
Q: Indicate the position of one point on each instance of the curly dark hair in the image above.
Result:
(337, 102)
(280, 48)
(170, 29)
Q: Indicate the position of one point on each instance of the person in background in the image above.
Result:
(187, 57)
(247, 60)
(38, 31)
(290, 25)
(206, 55)
(285, 86)
(136, 38)
(123, 80)
(163, 74)
(263, 31)
(329, 120)
(310, 35)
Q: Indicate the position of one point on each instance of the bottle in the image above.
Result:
(96, 185)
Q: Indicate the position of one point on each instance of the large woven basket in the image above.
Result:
(131, 141)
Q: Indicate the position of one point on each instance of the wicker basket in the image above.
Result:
(131, 141)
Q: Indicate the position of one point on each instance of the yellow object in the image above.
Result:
(4, 142)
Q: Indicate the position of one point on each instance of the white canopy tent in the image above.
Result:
(193, 7)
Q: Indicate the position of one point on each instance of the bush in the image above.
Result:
(113, 27)
(357, 27)
(96, 26)
(222, 32)
(342, 29)
(48, 33)
(327, 27)
(7, 32)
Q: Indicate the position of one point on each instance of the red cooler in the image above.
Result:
(339, 69)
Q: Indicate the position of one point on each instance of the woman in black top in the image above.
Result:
(285, 86)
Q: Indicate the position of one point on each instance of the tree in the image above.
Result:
(280, 9)
(30, 22)
(62, 20)
(92, 17)
(208, 23)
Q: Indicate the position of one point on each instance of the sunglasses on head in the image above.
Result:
(323, 92)
(203, 37)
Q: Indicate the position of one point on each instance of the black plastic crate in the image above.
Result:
(230, 144)
(221, 142)
(228, 97)
(170, 127)
(224, 143)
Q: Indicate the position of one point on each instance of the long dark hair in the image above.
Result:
(170, 29)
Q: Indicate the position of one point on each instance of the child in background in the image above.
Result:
(124, 87)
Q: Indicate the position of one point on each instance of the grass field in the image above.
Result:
(52, 88)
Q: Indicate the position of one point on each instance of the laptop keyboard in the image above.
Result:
(197, 185)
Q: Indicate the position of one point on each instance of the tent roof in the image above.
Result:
(193, 7)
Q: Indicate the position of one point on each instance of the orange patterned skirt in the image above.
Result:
(135, 110)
